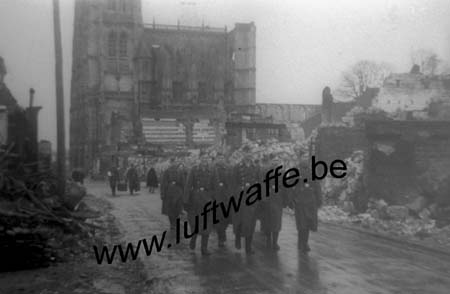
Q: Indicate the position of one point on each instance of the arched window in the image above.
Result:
(123, 42)
(112, 5)
(112, 40)
(123, 5)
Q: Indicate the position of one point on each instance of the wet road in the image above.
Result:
(341, 261)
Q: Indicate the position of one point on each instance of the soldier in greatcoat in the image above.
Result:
(113, 179)
(152, 180)
(172, 188)
(272, 209)
(222, 193)
(132, 179)
(244, 221)
(306, 200)
(262, 166)
(198, 192)
(182, 169)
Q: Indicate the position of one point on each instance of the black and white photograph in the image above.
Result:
(224, 146)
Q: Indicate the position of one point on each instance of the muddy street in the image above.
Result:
(341, 261)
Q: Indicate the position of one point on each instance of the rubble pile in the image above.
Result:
(36, 224)
(414, 219)
(289, 152)
(342, 192)
(395, 220)
(422, 218)
(333, 213)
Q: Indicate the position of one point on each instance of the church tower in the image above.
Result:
(104, 40)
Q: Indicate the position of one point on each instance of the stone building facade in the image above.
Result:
(412, 92)
(151, 84)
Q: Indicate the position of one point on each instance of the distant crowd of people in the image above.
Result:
(131, 180)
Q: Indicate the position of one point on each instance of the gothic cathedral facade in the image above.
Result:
(137, 84)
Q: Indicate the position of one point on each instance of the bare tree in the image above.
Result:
(362, 75)
(427, 60)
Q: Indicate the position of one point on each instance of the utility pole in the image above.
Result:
(60, 131)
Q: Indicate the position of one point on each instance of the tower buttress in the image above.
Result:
(104, 40)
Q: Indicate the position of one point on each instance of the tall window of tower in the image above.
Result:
(202, 92)
(112, 5)
(177, 91)
(123, 45)
(112, 40)
(146, 67)
(123, 5)
(228, 92)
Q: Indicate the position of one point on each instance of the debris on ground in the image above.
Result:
(397, 212)
(418, 204)
(421, 219)
(37, 224)
(392, 220)
(345, 191)
(332, 213)
(80, 271)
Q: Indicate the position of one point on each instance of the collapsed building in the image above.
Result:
(406, 148)
(413, 95)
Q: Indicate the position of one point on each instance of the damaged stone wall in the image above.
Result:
(432, 160)
(338, 142)
(404, 159)
(390, 171)
(408, 159)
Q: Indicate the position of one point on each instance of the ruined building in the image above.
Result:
(136, 84)
(18, 125)
(412, 92)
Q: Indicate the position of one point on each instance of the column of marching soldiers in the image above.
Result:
(191, 190)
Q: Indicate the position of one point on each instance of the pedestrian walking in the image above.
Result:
(182, 168)
(306, 200)
(264, 165)
(222, 188)
(152, 180)
(113, 179)
(132, 179)
(272, 210)
(198, 192)
(172, 188)
(244, 221)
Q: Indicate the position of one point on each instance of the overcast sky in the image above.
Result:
(301, 46)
